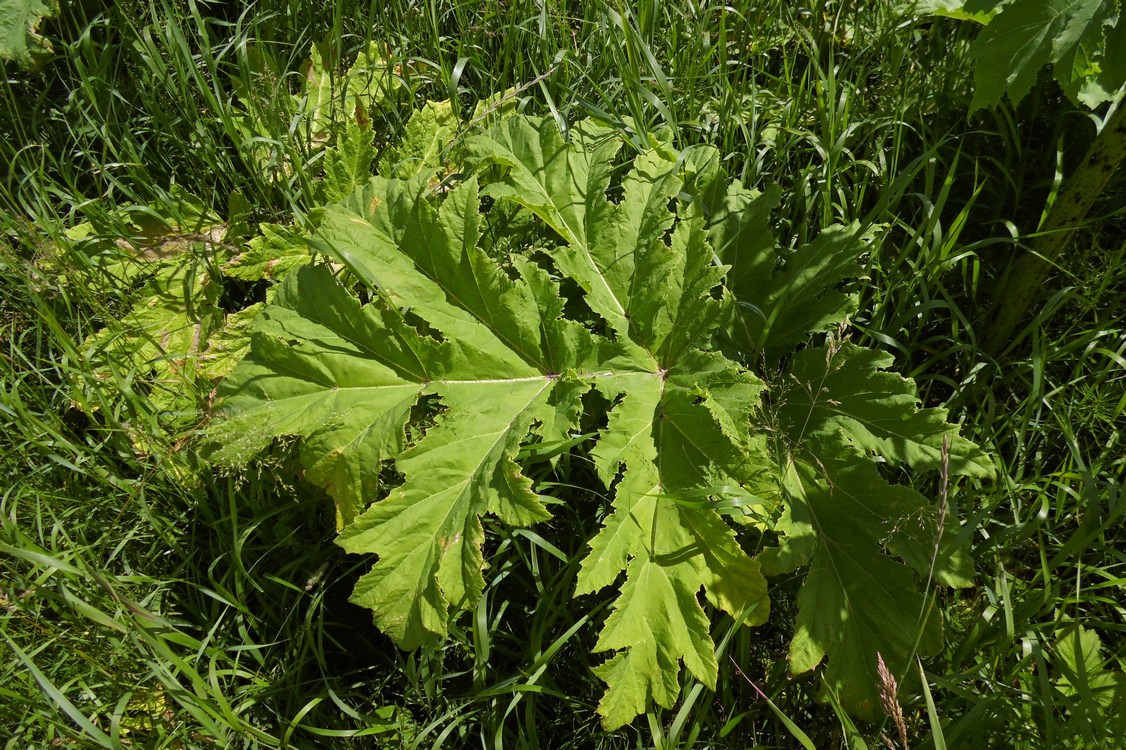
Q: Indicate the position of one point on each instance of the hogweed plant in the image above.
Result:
(554, 286)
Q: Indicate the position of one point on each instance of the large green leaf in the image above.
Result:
(856, 600)
(459, 359)
(837, 411)
(780, 300)
(412, 408)
(845, 390)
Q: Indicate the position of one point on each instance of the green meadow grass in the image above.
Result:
(146, 601)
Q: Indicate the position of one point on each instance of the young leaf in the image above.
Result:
(320, 113)
(348, 162)
(270, 255)
(428, 133)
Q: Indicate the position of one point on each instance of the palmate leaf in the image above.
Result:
(843, 390)
(776, 307)
(835, 411)
(470, 348)
(488, 353)
(838, 410)
(857, 600)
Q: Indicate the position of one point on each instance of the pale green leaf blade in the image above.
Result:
(649, 286)
(564, 183)
(729, 385)
(312, 373)
(657, 621)
(956, 9)
(628, 437)
(498, 106)
(369, 85)
(836, 408)
(1079, 50)
(428, 533)
(228, 345)
(673, 548)
(1092, 688)
(621, 253)
(795, 528)
(319, 88)
(559, 181)
(1083, 670)
(685, 315)
(774, 309)
(373, 82)
(428, 261)
(737, 222)
(346, 378)
(446, 279)
(347, 164)
(700, 445)
(270, 255)
(1112, 65)
(468, 353)
(158, 344)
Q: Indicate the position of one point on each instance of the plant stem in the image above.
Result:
(1078, 193)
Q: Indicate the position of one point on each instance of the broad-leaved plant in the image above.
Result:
(652, 294)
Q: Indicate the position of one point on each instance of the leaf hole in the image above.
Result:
(237, 294)
(418, 323)
(596, 410)
(424, 415)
